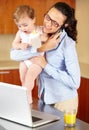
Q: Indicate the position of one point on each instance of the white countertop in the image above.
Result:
(84, 67)
(8, 65)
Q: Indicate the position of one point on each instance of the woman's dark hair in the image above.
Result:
(69, 12)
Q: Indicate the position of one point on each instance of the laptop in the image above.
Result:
(9, 125)
(14, 106)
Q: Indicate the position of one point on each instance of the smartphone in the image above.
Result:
(59, 30)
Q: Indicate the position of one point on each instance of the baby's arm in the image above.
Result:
(17, 44)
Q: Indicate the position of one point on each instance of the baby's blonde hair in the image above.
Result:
(23, 10)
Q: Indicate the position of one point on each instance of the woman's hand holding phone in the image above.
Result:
(51, 42)
(57, 33)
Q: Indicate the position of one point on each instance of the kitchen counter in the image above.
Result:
(9, 65)
(58, 125)
(84, 67)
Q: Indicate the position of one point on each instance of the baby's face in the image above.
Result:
(26, 24)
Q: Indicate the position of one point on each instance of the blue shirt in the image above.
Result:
(60, 78)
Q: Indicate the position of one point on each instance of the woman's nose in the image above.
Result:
(48, 23)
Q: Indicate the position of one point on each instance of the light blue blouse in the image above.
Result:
(60, 79)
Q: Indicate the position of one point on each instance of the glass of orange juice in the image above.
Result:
(70, 118)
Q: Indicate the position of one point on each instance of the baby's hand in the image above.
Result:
(30, 44)
(24, 46)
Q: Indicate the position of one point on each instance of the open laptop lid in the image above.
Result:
(14, 107)
(13, 104)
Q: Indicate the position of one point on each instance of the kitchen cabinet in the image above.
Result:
(7, 25)
(83, 111)
(10, 76)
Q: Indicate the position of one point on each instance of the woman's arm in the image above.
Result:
(71, 76)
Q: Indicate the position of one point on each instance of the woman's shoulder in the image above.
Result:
(66, 41)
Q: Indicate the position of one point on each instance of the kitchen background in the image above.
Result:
(9, 69)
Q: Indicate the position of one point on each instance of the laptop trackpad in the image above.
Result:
(34, 119)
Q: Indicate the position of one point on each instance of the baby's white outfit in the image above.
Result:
(32, 39)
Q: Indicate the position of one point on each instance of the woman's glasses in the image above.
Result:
(53, 22)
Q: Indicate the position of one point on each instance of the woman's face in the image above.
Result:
(53, 20)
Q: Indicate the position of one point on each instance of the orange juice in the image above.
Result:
(69, 118)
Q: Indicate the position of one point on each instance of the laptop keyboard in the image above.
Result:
(34, 119)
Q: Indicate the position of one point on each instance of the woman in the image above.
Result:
(60, 78)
